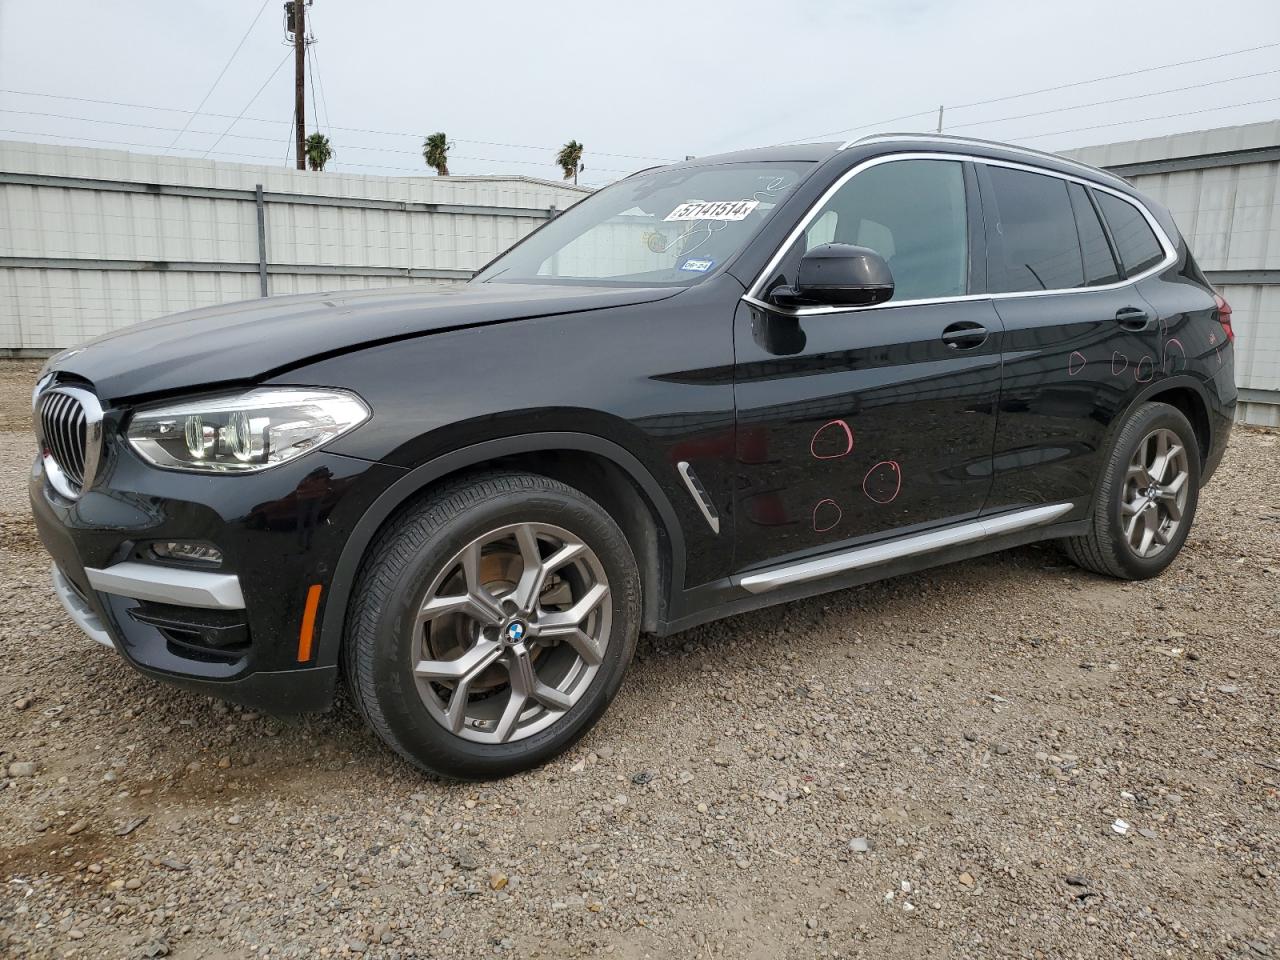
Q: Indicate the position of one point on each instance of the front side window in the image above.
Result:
(912, 213)
(1036, 241)
(1135, 240)
(670, 227)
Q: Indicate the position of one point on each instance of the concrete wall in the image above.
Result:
(93, 240)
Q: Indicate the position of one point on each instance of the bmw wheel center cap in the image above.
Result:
(515, 632)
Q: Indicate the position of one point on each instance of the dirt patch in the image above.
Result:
(1005, 757)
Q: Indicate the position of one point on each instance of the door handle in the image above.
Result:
(1133, 318)
(964, 335)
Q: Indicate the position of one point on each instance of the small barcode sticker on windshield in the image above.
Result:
(713, 210)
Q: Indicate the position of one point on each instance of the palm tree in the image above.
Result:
(435, 150)
(319, 152)
(569, 159)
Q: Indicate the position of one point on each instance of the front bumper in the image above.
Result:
(233, 632)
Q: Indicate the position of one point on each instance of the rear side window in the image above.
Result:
(912, 213)
(1135, 240)
(1036, 241)
(1099, 264)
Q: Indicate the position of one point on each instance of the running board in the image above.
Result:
(879, 553)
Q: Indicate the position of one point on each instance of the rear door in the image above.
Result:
(1078, 340)
(855, 424)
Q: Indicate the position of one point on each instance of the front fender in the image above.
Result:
(417, 479)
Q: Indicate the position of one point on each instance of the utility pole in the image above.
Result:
(299, 79)
(940, 109)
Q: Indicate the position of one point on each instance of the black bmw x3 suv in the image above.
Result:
(710, 387)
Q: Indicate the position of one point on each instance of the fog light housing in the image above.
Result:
(187, 551)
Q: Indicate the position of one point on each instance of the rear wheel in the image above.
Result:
(492, 625)
(1146, 497)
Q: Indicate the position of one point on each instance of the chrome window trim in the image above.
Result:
(974, 142)
(753, 294)
(92, 439)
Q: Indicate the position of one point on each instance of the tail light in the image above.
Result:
(1224, 316)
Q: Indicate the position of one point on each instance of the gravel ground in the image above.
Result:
(1005, 757)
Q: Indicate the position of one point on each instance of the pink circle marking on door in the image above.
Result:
(883, 481)
(841, 437)
(826, 521)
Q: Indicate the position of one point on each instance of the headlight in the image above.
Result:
(247, 432)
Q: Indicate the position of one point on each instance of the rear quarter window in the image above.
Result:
(1135, 240)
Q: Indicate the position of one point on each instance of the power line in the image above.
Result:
(386, 133)
(248, 136)
(865, 126)
(1032, 93)
(1166, 116)
(249, 104)
(1116, 76)
(248, 156)
(1102, 103)
(315, 103)
(191, 116)
(318, 81)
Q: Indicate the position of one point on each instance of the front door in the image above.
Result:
(858, 424)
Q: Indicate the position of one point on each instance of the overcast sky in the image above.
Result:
(637, 83)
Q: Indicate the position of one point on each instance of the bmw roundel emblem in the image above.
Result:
(515, 631)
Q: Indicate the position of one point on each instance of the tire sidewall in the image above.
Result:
(416, 564)
(1149, 418)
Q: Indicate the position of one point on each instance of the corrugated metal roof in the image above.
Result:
(1196, 143)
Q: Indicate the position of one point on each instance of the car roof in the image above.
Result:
(875, 143)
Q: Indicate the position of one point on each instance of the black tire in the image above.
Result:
(1104, 549)
(410, 551)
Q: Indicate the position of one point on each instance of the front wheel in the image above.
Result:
(1146, 499)
(492, 624)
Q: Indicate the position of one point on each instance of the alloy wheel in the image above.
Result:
(1154, 496)
(511, 632)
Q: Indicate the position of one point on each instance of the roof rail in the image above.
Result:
(973, 141)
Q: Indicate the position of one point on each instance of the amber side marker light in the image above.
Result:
(308, 631)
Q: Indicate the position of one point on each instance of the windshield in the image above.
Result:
(665, 228)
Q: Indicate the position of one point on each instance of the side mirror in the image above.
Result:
(838, 274)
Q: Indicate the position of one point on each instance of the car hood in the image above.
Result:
(248, 340)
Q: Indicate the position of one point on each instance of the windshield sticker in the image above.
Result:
(697, 266)
(713, 210)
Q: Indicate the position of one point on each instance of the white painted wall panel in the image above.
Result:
(43, 308)
(1230, 216)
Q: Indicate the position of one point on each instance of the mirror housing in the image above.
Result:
(838, 274)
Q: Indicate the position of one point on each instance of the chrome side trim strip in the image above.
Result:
(78, 610)
(185, 588)
(879, 553)
(699, 495)
(754, 292)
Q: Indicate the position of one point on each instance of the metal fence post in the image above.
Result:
(262, 240)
